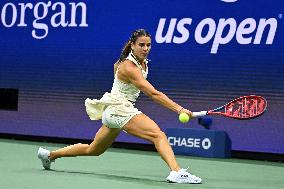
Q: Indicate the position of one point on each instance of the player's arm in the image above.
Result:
(135, 76)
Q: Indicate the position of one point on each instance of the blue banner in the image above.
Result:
(204, 54)
(199, 142)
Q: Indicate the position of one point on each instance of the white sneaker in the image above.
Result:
(43, 155)
(182, 176)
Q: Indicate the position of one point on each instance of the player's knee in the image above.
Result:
(94, 152)
(97, 153)
(158, 136)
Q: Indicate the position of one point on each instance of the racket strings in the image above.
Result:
(245, 108)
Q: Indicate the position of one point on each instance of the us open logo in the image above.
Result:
(217, 32)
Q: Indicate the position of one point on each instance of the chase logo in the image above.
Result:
(203, 143)
(229, 1)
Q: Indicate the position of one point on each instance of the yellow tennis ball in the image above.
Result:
(183, 117)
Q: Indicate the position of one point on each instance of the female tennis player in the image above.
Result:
(118, 113)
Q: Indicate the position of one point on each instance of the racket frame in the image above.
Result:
(216, 110)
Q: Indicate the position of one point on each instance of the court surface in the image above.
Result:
(125, 169)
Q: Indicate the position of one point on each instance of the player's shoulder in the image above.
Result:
(129, 69)
(128, 62)
(128, 65)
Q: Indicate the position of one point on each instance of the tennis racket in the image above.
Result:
(246, 107)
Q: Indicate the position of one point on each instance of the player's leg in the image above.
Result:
(143, 127)
(103, 139)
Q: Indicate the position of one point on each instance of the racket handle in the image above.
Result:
(198, 114)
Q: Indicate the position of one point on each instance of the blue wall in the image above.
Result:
(73, 60)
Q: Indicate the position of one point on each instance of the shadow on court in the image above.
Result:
(146, 182)
(112, 176)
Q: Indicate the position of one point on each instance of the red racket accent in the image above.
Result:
(245, 107)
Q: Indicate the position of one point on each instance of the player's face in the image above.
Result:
(141, 47)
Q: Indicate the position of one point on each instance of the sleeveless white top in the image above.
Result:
(128, 90)
(122, 94)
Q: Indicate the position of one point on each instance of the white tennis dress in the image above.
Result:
(117, 107)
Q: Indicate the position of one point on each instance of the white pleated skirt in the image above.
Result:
(114, 111)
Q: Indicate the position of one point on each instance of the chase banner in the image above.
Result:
(198, 142)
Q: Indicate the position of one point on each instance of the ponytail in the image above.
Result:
(125, 51)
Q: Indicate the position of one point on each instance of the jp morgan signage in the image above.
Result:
(45, 15)
(197, 142)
